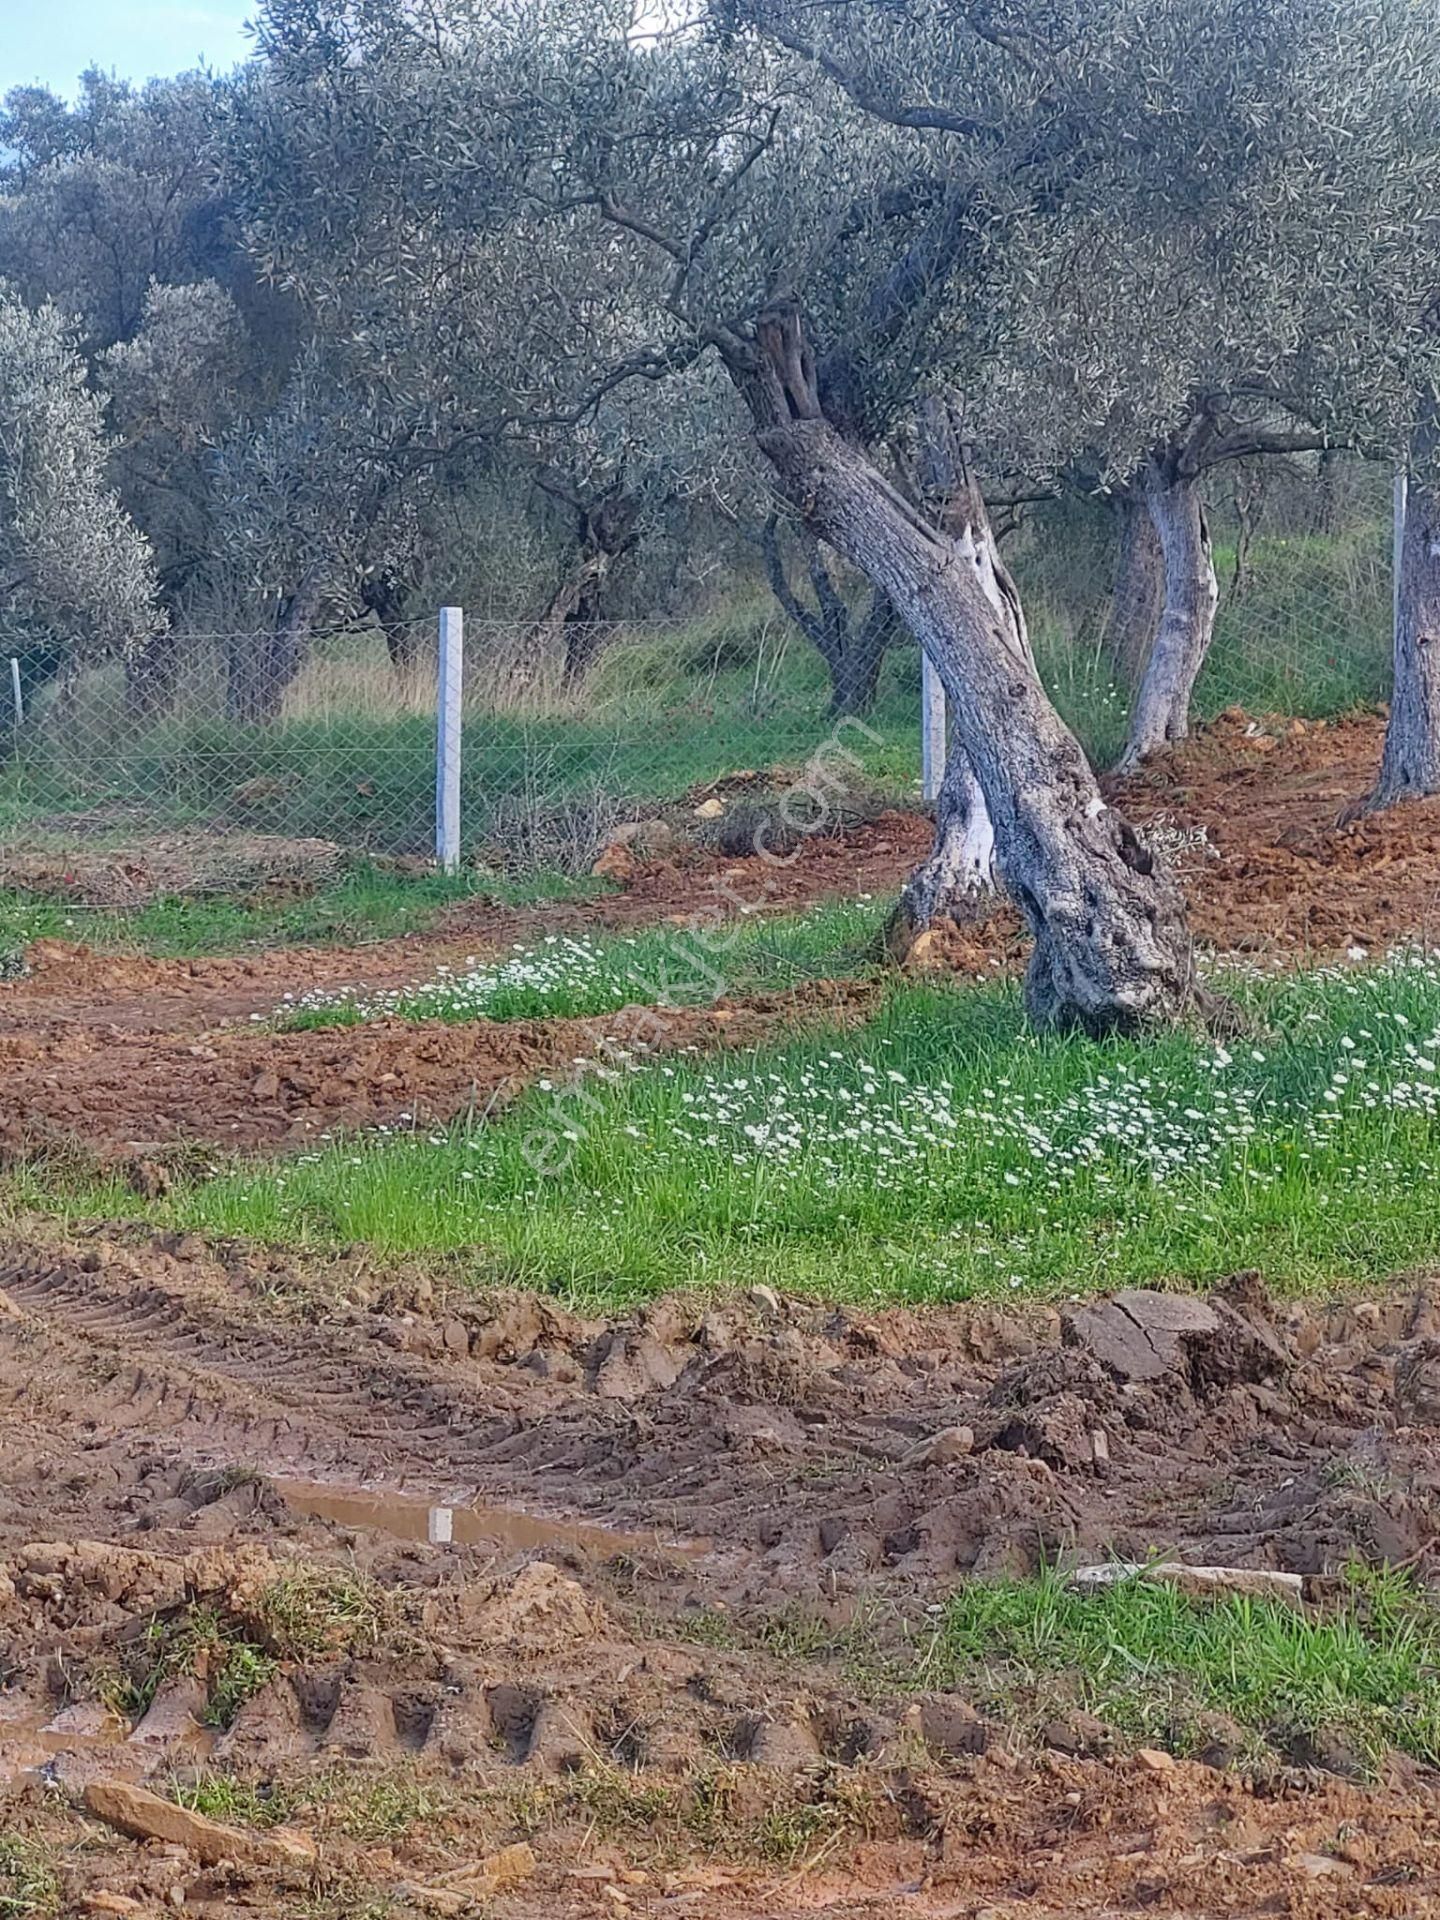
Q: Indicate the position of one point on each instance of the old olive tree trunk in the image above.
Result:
(1410, 764)
(1138, 595)
(1160, 714)
(1112, 952)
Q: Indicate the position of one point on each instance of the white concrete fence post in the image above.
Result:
(15, 690)
(932, 729)
(450, 687)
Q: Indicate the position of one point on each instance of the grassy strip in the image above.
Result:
(1363, 1678)
(364, 903)
(597, 973)
(944, 1152)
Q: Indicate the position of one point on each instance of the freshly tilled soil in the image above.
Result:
(172, 1414)
(125, 1095)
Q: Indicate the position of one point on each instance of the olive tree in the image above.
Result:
(75, 573)
(1264, 301)
(836, 201)
(108, 195)
(851, 641)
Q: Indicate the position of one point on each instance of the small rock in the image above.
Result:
(457, 1337)
(1322, 1866)
(1152, 1760)
(145, 1816)
(765, 1298)
(266, 1084)
(941, 1449)
(710, 809)
(1100, 1447)
(102, 1900)
(1197, 1583)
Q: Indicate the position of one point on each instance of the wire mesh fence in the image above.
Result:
(567, 733)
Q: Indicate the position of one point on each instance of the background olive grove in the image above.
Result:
(607, 324)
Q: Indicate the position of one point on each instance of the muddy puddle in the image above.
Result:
(418, 1517)
(35, 1739)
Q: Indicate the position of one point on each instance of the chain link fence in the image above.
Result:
(568, 733)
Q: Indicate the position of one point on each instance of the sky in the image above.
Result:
(53, 41)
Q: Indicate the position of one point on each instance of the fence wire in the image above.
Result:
(567, 734)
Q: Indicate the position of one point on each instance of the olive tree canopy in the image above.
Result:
(74, 570)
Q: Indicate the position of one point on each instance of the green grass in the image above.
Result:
(364, 903)
(198, 1641)
(579, 976)
(942, 1152)
(1363, 1675)
(29, 1885)
(235, 1801)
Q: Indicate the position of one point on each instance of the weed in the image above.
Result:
(198, 1642)
(248, 1803)
(29, 1885)
(798, 1833)
(312, 1610)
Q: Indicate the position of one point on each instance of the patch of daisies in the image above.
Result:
(1007, 1156)
(562, 975)
(965, 1152)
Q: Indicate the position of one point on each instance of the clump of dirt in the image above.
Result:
(127, 1095)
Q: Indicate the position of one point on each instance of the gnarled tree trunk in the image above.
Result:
(1160, 714)
(958, 879)
(853, 652)
(1112, 952)
(1138, 594)
(383, 594)
(1410, 764)
(261, 666)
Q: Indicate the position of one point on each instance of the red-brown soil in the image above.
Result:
(127, 1054)
(669, 1534)
(128, 1095)
(171, 1415)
